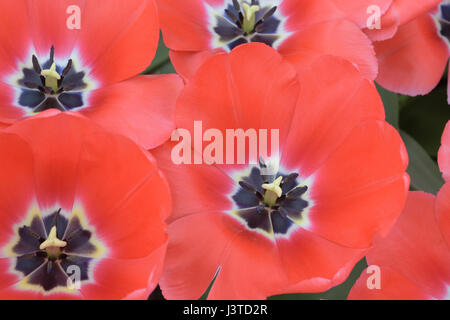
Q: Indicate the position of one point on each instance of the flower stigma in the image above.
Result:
(53, 245)
(273, 191)
(249, 22)
(51, 77)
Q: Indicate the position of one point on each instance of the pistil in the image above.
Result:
(248, 24)
(52, 245)
(51, 77)
(273, 191)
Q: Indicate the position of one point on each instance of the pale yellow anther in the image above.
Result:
(273, 191)
(51, 77)
(52, 241)
(249, 17)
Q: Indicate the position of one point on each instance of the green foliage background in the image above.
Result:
(420, 121)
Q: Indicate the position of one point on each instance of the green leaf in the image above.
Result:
(164, 68)
(391, 105)
(424, 119)
(424, 172)
(206, 294)
(161, 63)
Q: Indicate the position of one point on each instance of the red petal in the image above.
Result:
(389, 26)
(16, 184)
(141, 108)
(448, 91)
(306, 256)
(443, 211)
(444, 153)
(56, 152)
(184, 24)
(410, 10)
(413, 61)
(338, 37)
(8, 111)
(48, 26)
(245, 269)
(16, 198)
(197, 246)
(195, 188)
(304, 13)
(361, 189)
(348, 96)
(124, 195)
(125, 279)
(186, 63)
(3, 125)
(12, 293)
(118, 40)
(393, 286)
(16, 45)
(233, 85)
(250, 258)
(356, 10)
(415, 247)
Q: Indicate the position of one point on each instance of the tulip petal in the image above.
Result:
(358, 11)
(444, 153)
(189, 269)
(242, 79)
(355, 202)
(307, 256)
(15, 45)
(393, 286)
(418, 253)
(56, 162)
(443, 211)
(117, 198)
(337, 37)
(141, 108)
(128, 42)
(184, 24)
(348, 96)
(186, 63)
(413, 61)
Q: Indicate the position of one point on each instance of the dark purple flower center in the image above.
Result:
(272, 218)
(64, 94)
(444, 20)
(51, 267)
(238, 24)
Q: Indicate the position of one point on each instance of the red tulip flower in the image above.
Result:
(414, 259)
(84, 56)
(301, 30)
(412, 45)
(81, 212)
(296, 220)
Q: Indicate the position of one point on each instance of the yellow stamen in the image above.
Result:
(52, 241)
(249, 17)
(51, 77)
(273, 191)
